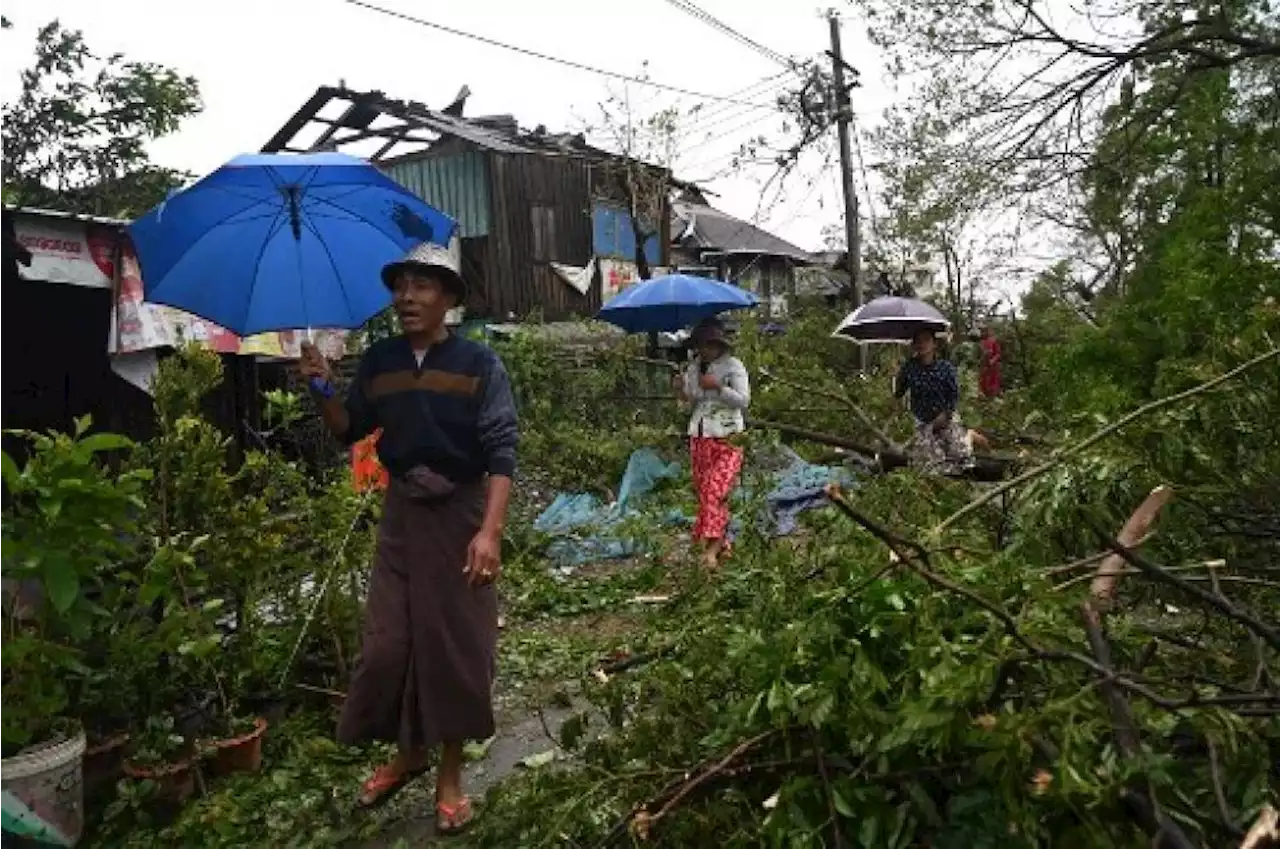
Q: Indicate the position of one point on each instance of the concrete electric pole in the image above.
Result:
(844, 117)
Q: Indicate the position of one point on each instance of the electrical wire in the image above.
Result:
(706, 17)
(568, 63)
(721, 112)
(866, 184)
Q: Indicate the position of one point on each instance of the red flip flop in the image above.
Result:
(453, 819)
(385, 783)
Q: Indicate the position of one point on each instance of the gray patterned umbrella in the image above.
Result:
(891, 319)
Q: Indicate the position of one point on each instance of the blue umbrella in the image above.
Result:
(672, 302)
(282, 241)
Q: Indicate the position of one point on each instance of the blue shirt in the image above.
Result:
(454, 412)
(934, 388)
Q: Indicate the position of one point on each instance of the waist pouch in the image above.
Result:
(423, 483)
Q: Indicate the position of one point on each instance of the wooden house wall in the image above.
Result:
(541, 214)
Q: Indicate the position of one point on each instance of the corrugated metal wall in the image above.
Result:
(457, 185)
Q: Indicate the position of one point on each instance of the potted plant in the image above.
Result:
(66, 528)
(122, 667)
(163, 756)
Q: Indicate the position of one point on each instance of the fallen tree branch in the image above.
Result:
(1265, 833)
(1220, 603)
(1061, 454)
(1163, 830)
(886, 461)
(1092, 559)
(840, 398)
(1138, 525)
(640, 822)
(913, 556)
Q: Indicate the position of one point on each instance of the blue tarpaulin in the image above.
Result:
(587, 531)
(798, 487)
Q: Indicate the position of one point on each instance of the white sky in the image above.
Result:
(258, 61)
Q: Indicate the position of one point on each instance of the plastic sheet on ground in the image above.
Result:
(588, 531)
(798, 487)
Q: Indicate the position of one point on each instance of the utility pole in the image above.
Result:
(844, 116)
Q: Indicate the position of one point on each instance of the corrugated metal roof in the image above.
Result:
(710, 229)
(457, 185)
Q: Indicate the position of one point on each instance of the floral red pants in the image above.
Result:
(716, 465)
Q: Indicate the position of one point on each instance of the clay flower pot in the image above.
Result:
(175, 782)
(238, 754)
(104, 762)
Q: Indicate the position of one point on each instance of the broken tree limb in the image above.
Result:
(1138, 526)
(1145, 805)
(886, 460)
(886, 441)
(1265, 833)
(1219, 603)
(1091, 560)
(1063, 453)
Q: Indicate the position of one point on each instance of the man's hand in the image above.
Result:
(313, 364)
(484, 558)
(709, 381)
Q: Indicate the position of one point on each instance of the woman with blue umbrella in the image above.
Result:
(715, 384)
(717, 387)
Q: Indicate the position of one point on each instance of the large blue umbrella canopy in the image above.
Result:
(672, 302)
(282, 241)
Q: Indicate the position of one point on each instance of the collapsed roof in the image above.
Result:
(379, 128)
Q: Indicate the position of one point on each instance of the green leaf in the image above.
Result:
(61, 583)
(842, 804)
(11, 475)
(105, 442)
(572, 730)
(477, 751)
(539, 760)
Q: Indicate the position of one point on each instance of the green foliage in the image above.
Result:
(76, 136)
(67, 528)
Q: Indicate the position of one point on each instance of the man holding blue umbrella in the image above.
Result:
(449, 436)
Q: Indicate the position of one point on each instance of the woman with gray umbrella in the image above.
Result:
(935, 393)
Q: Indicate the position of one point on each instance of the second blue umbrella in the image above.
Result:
(672, 302)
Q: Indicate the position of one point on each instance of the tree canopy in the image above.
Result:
(76, 137)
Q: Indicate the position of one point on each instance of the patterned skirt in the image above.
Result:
(716, 466)
(944, 452)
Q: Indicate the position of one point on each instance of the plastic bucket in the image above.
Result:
(43, 792)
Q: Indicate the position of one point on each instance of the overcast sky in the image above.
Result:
(258, 60)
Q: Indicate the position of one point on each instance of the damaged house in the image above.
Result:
(708, 241)
(543, 217)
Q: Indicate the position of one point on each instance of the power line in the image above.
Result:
(719, 112)
(689, 7)
(568, 63)
(866, 184)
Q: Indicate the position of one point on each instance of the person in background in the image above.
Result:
(989, 374)
(448, 441)
(935, 391)
(715, 383)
